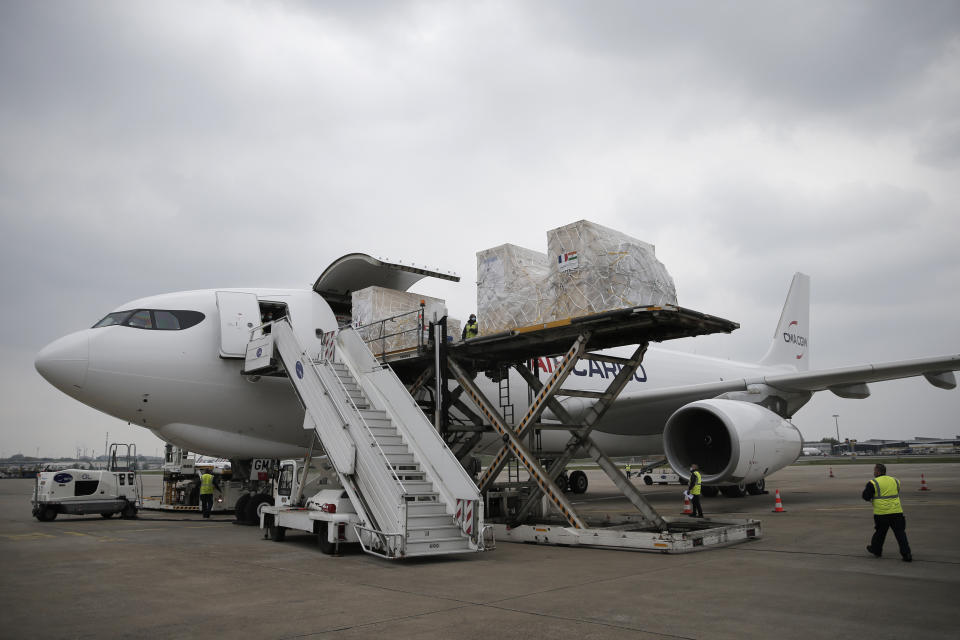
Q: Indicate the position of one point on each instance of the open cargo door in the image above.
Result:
(239, 313)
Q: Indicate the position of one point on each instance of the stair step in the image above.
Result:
(410, 476)
(400, 458)
(417, 487)
(432, 547)
(394, 449)
(425, 496)
(374, 414)
(379, 423)
(416, 534)
(383, 430)
(389, 440)
(416, 521)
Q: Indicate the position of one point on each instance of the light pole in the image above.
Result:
(836, 422)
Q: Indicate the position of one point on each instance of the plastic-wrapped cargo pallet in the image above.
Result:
(595, 269)
(454, 328)
(512, 288)
(377, 303)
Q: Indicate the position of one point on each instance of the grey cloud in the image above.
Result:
(150, 148)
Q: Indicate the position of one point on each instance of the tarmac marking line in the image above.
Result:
(26, 536)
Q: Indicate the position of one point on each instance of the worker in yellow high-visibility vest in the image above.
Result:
(206, 493)
(471, 329)
(696, 481)
(884, 492)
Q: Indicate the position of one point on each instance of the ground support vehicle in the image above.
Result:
(663, 475)
(240, 486)
(82, 491)
(327, 513)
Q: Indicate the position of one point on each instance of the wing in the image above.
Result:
(846, 382)
(852, 381)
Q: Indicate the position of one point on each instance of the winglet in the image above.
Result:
(791, 341)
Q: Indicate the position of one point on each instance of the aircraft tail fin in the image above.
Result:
(791, 341)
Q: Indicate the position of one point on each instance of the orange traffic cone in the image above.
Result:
(923, 483)
(831, 472)
(687, 508)
(778, 505)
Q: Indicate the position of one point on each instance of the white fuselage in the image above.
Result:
(175, 383)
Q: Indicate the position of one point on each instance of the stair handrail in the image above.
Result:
(467, 488)
(382, 338)
(369, 432)
(375, 477)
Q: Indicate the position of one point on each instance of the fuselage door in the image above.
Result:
(239, 313)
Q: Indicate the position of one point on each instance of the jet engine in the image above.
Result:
(732, 441)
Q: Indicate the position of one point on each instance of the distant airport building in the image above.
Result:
(917, 446)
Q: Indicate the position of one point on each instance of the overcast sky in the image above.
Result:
(153, 147)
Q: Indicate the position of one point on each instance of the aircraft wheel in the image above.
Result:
(734, 490)
(647, 480)
(240, 508)
(325, 545)
(579, 482)
(756, 488)
(105, 516)
(710, 491)
(563, 482)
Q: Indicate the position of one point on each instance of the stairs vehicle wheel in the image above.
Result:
(578, 482)
(647, 480)
(756, 488)
(325, 545)
(106, 515)
(129, 512)
(276, 532)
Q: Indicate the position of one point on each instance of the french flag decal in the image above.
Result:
(567, 261)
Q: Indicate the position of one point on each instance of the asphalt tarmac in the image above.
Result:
(178, 576)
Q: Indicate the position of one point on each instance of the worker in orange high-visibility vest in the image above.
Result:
(884, 492)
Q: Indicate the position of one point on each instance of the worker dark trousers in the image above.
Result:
(697, 509)
(206, 504)
(894, 521)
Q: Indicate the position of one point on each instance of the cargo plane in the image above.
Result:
(173, 364)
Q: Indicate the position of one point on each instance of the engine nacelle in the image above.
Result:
(730, 440)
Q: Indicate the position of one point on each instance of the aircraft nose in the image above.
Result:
(63, 363)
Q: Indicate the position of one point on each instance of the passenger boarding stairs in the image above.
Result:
(411, 494)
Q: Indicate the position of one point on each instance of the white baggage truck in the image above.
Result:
(662, 475)
(82, 491)
(326, 513)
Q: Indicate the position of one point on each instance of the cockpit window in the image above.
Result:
(166, 320)
(117, 317)
(140, 319)
(161, 319)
